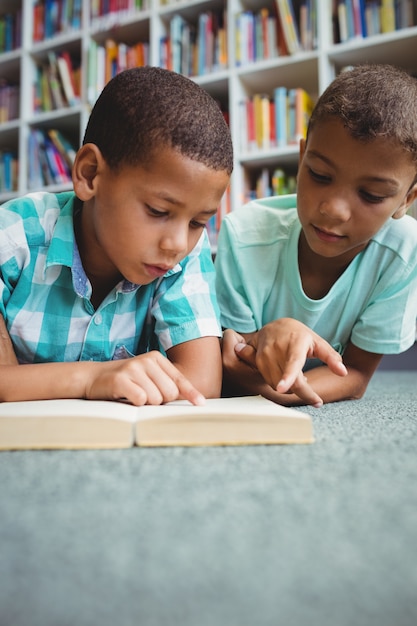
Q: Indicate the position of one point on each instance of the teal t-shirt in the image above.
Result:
(373, 304)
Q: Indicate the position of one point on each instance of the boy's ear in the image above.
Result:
(409, 199)
(88, 161)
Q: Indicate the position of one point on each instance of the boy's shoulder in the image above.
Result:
(36, 204)
(399, 236)
(263, 221)
(31, 219)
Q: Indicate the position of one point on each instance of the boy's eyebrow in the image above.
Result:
(376, 179)
(175, 202)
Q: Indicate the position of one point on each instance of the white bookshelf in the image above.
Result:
(312, 70)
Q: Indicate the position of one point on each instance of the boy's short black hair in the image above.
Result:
(373, 100)
(145, 108)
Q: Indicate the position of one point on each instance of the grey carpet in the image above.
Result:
(321, 535)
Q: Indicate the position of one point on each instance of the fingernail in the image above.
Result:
(240, 346)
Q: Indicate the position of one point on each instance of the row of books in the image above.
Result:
(11, 30)
(108, 59)
(269, 33)
(101, 8)
(50, 158)
(9, 101)
(57, 83)
(364, 18)
(195, 49)
(52, 17)
(268, 182)
(256, 36)
(9, 174)
(276, 121)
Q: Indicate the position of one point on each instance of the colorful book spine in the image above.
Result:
(303, 109)
(8, 171)
(289, 25)
(281, 113)
(9, 101)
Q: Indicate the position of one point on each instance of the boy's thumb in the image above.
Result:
(246, 352)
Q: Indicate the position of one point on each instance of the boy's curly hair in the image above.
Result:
(373, 101)
(145, 108)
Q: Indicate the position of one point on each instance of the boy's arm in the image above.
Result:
(201, 363)
(360, 366)
(7, 354)
(145, 379)
(270, 362)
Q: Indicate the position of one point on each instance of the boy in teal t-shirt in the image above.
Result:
(336, 257)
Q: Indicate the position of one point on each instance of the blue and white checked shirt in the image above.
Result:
(45, 293)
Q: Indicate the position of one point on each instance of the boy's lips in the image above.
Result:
(327, 235)
(157, 270)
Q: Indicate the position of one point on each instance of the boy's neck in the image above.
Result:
(101, 283)
(318, 274)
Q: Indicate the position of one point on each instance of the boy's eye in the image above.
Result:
(195, 224)
(155, 212)
(320, 178)
(369, 197)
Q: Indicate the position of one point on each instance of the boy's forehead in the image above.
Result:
(333, 143)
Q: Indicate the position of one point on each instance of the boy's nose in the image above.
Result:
(336, 208)
(175, 241)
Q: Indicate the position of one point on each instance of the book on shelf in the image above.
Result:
(70, 423)
(55, 84)
(307, 25)
(300, 107)
(64, 147)
(262, 120)
(289, 25)
(281, 121)
(46, 166)
(8, 171)
(58, 167)
(387, 13)
(9, 101)
(111, 67)
(176, 31)
(68, 77)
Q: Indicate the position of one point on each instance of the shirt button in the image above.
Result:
(98, 319)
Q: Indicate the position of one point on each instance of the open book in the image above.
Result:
(44, 424)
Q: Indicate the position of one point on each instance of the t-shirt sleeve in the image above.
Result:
(388, 324)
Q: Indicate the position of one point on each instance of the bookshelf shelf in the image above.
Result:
(148, 22)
